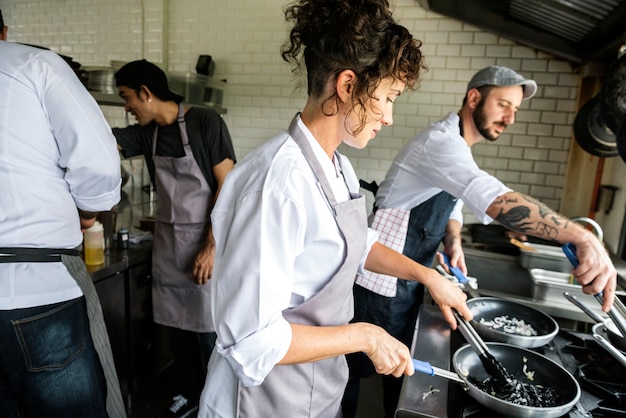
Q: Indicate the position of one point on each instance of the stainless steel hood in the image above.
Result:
(578, 31)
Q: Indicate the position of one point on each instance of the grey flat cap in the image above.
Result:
(502, 77)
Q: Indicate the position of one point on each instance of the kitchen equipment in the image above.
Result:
(100, 79)
(611, 348)
(613, 333)
(620, 322)
(548, 286)
(547, 257)
(621, 140)
(486, 309)
(463, 280)
(613, 94)
(591, 132)
(489, 361)
(521, 362)
(601, 379)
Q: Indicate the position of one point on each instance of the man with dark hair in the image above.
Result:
(188, 151)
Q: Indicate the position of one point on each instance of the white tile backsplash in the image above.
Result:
(244, 39)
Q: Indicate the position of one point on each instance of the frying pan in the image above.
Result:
(515, 359)
(489, 308)
(486, 309)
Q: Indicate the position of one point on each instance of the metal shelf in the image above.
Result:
(109, 99)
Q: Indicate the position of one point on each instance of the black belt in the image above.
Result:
(35, 255)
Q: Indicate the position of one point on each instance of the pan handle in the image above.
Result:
(590, 312)
(427, 368)
(619, 356)
(570, 252)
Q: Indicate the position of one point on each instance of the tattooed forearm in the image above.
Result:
(543, 209)
(518, 219)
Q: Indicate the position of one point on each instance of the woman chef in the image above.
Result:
(291, 230)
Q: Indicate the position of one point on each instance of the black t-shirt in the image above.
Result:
(208, 137)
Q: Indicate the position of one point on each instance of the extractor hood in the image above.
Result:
(578, 31)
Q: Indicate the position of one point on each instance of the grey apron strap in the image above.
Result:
(300, 139)
(114, 401)
(182, 125)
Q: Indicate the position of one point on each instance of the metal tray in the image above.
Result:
(545, 257)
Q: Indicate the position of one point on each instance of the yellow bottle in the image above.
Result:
(94, 244)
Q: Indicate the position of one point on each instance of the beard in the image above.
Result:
(482, 123)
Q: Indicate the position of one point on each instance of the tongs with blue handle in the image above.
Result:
(456, 272)
(618, 319)
(427, 368)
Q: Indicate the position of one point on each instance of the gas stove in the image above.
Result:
(601, 378)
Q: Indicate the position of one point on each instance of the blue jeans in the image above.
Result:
(48, 365)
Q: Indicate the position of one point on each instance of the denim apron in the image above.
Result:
(426, 229)
(184, 203)
(315, 389)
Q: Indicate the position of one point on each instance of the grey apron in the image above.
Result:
(184, 203)
(315, 389)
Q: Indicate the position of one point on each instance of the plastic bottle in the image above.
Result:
(94, 244)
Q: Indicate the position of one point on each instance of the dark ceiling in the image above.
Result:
(578, 31)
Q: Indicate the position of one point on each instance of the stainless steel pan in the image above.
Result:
(519, 362)
(488, 309)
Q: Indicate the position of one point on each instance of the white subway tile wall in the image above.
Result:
(244, 38)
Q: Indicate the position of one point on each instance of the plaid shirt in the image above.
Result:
(391, 225)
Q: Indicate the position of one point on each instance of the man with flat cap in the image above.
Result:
(419, 205)
(189, 152)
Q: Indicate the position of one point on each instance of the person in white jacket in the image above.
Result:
(59, 166)
(291, 231)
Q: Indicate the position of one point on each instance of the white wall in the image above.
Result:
(244, 38)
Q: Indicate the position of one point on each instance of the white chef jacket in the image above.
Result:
(277, 244)
(57, 153)
(437, 159)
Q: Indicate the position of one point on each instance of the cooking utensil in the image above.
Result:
(586, 309)
(521, 245)
(604, 343)
(456, 272)
(613, 333)
(613, 94)
(490, 363)
(522, 363)
(570, 251)
(427, 368)
(591, 132)
(489, 309)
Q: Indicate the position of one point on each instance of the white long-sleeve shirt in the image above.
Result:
(437, 159)
(57, 154)
(277, 244)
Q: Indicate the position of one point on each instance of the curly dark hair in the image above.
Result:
(357, 35)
